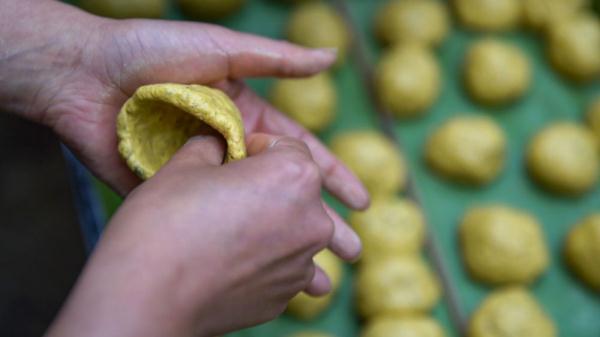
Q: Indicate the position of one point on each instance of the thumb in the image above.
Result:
(258, 143)
(202, 150)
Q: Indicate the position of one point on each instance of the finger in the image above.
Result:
(258, 143)
(345, 243)
(320, 284)
(201, 150)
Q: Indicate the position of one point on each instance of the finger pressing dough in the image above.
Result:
(502, 245)
(511, 312)
(540, 14)
(496, 72)
(582, 250)
(468, 149)
(120, 9)
(593, 118)
(408, 80)
(488, 15)
(158, 119)
(310, 101)
(412, 21)
(374, 159)
(563, 158)
(210, 9)
(403, 326)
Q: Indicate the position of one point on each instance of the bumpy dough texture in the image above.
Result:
(390, 227)
(511, 312)
(412, 21)
(158, 119)
(396, 285)
(401, 326)
(502, 245)
(310, 101)
(122, 9)
(210, 9)
(593, 118)
(496, 72)
(306, 307)
(574, 46)
(408, 80)
(582, 250)
(373, 158)
(489, 15)
(468, 149)
(563, 157)
(318, 25)
(540, 14)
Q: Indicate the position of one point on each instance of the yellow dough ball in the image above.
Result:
(582, 250)
(391, 226)
(511, 312)
(396, 285)
(210, 9)
(468, 149)
(563, 157)
(401, 326)
(502, 245)
(489, 15)
(306, 307)
(540, 14)
(412, 21)
(593, 118)
(310, 101)
(120, 9)
(496, 72)
(408, 80)
(574, 46)
(318, 25)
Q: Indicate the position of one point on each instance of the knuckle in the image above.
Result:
(323, 233)
(301, 171)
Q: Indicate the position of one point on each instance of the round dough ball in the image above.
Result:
(574, 46)
(391, 226)
(318, 25)
(489, 15)
(468, 149)
(496, 72)
(210, 9)
(502, 245)
(511, 312)
(120, 9)
(408, 80)
(310, 101)
(582, 250)
(306, 307)
(541, 14)
(374, 159)
(593, 118)
(563, 158)
(400, 326)
(412, 21)
(396, 285)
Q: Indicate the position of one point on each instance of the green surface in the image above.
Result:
(575, 309)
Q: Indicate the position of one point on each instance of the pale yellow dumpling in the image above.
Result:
(121, 9)
(593, 118)
(403, 326)
(540, 14)
(489, 15)
(582, 250)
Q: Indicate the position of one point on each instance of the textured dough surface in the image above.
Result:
(210, 9)
(582, 250)
(402, 326)
(489, 15)
(122, 9)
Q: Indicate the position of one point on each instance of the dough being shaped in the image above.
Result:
(159, 118)
(310, 101)
(511, 312)
(496, 72)
(374, 159)
(582, 250)
(489, 15)
(412, 21)
(390, 227)
(121, 9)
(408, 80)
(403, 326)
(210, 9)
(502, 245)
(541, 14)
(563, 158)
(593, 118)
(469, 149)
(306, 307)
(396, 285)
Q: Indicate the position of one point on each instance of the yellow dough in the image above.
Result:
(511, 312)
(540, 14)
(468, 149)
(315, 24)
(158, 119)
(489, 15)
(408, 80)
(412, 21)
(496, 72)
(391, 226)
(582, 250)
(306, 307)
(396, 285)
(311, 101)
(593, 118)
(121, 9)
(210, 9)
(563, 157)
(502, 245)
(574, 47)
(403, 326)
(373, 158)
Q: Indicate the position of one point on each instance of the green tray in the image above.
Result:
(574, 308)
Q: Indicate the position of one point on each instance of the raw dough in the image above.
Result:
(540, 14)
(593, 118)
(489, 15)
(210, 9)
(401, 326)
(121, 9)
(582, 250)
